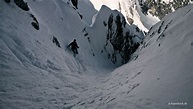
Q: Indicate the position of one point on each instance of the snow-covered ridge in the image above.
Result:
(114, 38)
(131, 10)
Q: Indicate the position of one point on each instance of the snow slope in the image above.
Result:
(86, 8)
(160, 74)
(33, 70)
(35, 73)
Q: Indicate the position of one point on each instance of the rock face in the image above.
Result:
(20, 3)
(23, 5)
(122, 41)
(160, 8)
(75, 3)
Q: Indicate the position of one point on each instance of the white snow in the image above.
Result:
(36, 74)
(86, 9)
(147, 20)
(167, 1)
(98, 3)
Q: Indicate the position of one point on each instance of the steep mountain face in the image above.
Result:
(143, 13)
(109, 35)
(160, 8)
(131, 10)
(119, 40)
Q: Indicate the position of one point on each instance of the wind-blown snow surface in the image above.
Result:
(36, 74)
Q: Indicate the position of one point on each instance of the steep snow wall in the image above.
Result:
(33, 70)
